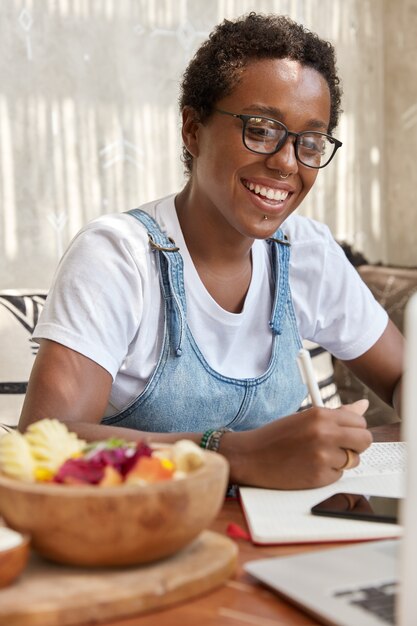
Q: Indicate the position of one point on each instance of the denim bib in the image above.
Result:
(184, 393)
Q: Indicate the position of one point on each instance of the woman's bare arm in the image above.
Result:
(66, 385)
(70, 387)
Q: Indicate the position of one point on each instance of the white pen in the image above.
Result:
(307, 374)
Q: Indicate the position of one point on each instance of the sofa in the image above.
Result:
(20, 310)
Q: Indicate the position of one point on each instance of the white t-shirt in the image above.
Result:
(105, 301)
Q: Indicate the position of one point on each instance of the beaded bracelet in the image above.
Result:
(211, 439)
(205, 438)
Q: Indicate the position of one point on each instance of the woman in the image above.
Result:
(184, 319)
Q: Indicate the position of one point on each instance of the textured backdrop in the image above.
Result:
(89, 121)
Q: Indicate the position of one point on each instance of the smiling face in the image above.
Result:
(236, 188)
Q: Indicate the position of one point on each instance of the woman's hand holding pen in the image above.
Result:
(301, 451)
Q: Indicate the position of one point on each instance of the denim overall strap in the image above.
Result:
(280, 266)
(171, 275)
(186, 394)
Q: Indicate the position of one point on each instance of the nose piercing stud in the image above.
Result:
(265, 217)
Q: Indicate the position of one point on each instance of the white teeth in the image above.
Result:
(268, 192)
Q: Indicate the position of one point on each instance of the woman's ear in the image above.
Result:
(190, 130)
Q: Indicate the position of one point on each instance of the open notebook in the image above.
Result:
(275, 516)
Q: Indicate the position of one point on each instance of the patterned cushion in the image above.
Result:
(19, 313)
(392, 287)
(323, 368)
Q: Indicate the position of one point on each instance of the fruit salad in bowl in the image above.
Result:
(110, 502)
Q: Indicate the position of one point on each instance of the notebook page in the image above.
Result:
(381, 458)
(276, 516)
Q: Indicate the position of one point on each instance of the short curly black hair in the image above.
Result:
(217, 65)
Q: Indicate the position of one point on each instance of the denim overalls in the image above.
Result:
(184, 393)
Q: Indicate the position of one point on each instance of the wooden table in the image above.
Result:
(241, 600)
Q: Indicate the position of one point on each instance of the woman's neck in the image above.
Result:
(221, 255)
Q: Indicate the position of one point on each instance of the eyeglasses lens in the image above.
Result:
(267, 136)
(263, 135)
(314, 149)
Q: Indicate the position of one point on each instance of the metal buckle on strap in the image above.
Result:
(285, 241)
(156, 246)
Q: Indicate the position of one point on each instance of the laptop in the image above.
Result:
(370, 583)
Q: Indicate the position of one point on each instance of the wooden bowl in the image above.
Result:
(120, 525)
(14, 553)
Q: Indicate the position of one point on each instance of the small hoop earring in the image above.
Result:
(282, 176)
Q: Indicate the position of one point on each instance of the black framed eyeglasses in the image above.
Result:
(264, 135)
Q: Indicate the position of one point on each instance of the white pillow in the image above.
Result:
(19, 313)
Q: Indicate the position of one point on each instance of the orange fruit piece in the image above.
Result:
(151, 469)
(111, 477)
